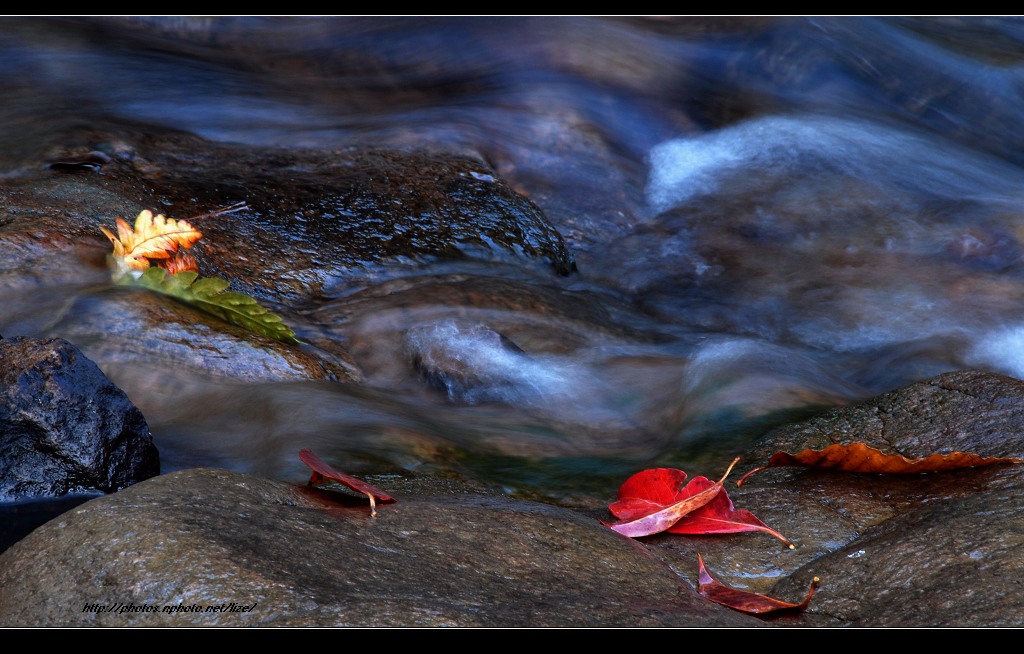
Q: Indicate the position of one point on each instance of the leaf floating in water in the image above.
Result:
(745, 601)
(322, 471)
(859, 457)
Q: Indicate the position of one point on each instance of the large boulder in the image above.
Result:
(207, 547)
(942, 545)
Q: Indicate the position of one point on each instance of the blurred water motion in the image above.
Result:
(769, 216)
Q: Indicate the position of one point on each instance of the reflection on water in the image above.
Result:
(769, 217)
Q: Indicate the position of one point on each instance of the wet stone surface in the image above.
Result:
(212, 537)
(64, 427)
(315, 222)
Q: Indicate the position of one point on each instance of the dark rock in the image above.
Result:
(318, 217)
(313, 217)
(211, 537)
(63, 426)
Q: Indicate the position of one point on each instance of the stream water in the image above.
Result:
(768, 216)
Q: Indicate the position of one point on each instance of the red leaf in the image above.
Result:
(859, 457)
(719, 516)
(322, 471)
(742, 600)
(637, 522)
(650, 491)
(180, 261)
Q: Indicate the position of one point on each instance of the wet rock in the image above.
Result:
(316, 218)
(944, 546)
(969, 411)
(300, 558)
(92, 160)
(949, 560)
(315, 221)
(64, 427)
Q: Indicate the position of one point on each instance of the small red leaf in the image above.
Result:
(746, 601)
(662, 516)
(322, 471)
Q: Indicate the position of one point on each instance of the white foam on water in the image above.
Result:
(682, 169)
(498, 372)
(1000, 350)
(757, 377)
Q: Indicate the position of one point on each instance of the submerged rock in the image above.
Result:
(134, 332)
(274, 554)
(64, 427)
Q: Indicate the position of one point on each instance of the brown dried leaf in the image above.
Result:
(180, 262)
(859, 457)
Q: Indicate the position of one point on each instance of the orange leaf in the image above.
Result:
(663, 517)
(742, 600)
(154, 237)
(858, 457)
(180, 262)
(322, 471)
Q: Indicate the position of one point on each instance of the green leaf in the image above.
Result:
(211, 295)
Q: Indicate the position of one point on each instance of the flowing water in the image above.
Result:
(769, 216)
